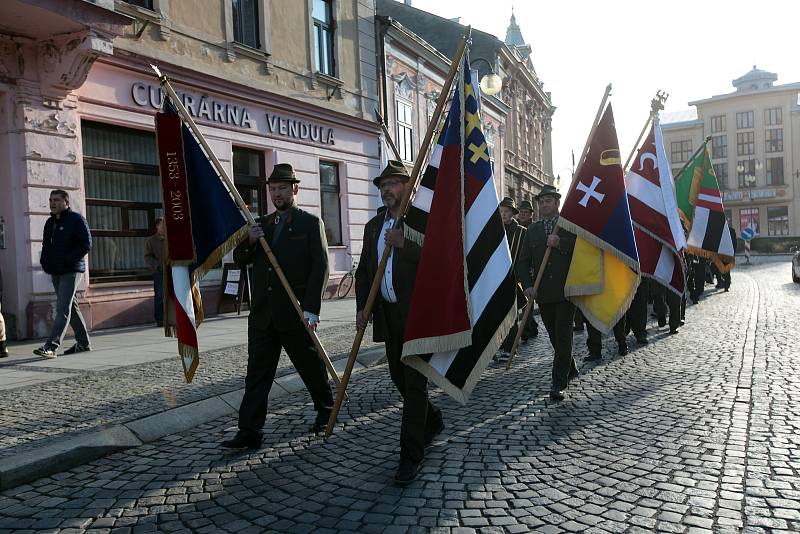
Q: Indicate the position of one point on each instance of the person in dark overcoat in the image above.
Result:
(515, 235)
(421, 420)
(297, 239)
(556, 311)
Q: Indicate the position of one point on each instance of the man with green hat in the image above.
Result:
(556, 311)
(297, 239)
(525, 219)
(421, 420)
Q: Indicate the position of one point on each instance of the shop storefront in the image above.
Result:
(333, 154)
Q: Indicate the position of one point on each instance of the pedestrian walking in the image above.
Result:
(421, 420)
(298, 241)
(154, 258)
(636, 316)
(65, 242)
(594, 341)
(556, 311)
(525, 215)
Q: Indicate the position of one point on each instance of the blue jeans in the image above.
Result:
(67, 311)
(158, 296)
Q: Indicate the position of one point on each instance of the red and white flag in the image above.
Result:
(657, 227)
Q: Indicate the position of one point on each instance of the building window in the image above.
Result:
(719, 146)
(744, 119)
(749, 169)
(681, 151)
(773, 117)
(745, 143)
(773, 140)
(250, 178)
(147, 4)
(322, 13)
(123, 198)
(245, 22)
(718, 123)
(330, 201)
(774, 171)
(778, 220)
(405, 130)
(721, 171)
(748, 218)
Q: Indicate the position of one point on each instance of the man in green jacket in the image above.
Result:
(298, 241)
(557, 312)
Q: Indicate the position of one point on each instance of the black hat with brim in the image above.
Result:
(282, 172)
(526, 205)
(548, 191)
(508, 202)
(393, 168)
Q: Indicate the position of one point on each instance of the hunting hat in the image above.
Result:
(548, 190)
(509, 203)
(526, 205)
(282, 172)
(393, 168)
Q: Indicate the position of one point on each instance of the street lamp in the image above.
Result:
(490, 83)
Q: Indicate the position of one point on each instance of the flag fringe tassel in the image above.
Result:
(432, 345)
(599, 243)
(715, 257)
(191, 353)
(660, 282)
(599, 325)
(462, 394)
(413, 235)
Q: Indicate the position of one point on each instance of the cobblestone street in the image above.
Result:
(696, 432)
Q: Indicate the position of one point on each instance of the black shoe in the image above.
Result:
(662, 321)
(431, 433)
(243, 440)
(622, 348)
(321, 422)
(48, 351)
(593, 358)
(76, 348)
(572, 375)
(557, 394)
(726, 289)
(642, 340)
(673, 331)
(3, 350)
(406, 472)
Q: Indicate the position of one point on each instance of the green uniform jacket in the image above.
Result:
(530, 259)
(302, 252)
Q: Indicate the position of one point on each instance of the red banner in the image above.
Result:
(174, 189)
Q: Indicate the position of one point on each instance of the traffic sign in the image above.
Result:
(748, 234)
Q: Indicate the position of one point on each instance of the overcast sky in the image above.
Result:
(692, 49)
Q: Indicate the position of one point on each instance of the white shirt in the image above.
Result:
(387, 288)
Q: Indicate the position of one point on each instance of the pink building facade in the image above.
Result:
(81, 118)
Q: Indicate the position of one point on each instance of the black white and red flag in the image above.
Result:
(464, 300)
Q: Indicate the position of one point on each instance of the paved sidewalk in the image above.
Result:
(63, 412)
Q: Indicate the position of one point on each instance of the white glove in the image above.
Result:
(311, 319)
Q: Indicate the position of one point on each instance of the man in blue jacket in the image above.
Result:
(65, 243)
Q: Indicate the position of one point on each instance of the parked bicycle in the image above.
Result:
(346, 283)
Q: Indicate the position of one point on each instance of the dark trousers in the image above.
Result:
(698, 276)
(263, 353)
(558, 318)
(67, 311)
(420, 416)
(594, 339)
(158, 296)
(725, 280)
(665, 300)
(636, 316)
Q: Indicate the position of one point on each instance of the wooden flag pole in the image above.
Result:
(546, 257)
(243, 207)
(387, 136)
(656, 104)
(691, 158)
(416, 176)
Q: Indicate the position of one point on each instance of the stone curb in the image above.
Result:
(83, 448)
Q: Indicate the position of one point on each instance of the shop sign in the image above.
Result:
(212, 110)
(732, 195)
